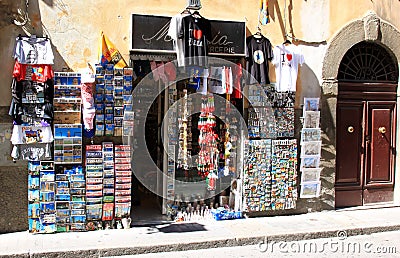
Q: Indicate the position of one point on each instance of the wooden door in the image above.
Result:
(365, 152)
(349, 153)
(380, 152)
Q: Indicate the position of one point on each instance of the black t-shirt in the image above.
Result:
(195, 31)
(259, 51)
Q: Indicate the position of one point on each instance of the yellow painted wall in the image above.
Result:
(74, 26)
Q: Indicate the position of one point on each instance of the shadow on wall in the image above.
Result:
(35, 26)
(13, 216)
(311, 88)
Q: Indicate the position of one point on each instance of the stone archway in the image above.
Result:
(369, 28)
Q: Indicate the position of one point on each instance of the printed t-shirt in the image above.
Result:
(32, 72)
(287, 59)
(31, 134)
(175, 27)
(33, 51)
(195, 31)
(259, 51)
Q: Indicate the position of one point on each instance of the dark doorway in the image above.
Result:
(366, 119)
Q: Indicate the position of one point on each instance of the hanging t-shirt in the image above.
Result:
(259, 51)
(287, 59)
(35, 72)
(195, 31)
(31, 134)
(175, 26)
(30, 50)
(32, 152)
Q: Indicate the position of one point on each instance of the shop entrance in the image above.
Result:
(366, 119)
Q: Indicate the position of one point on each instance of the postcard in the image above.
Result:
(93, 212)
(33, 182)
(48, 186)
(78, 191)
(310, 175)
(309, 162)
(108, 211)
(77, 205)
(33, 168)
(33, 210)
(310, 189)
(47, 175)
(311, 148)
(311, 119)
(34, 225)
(63, 212)
(47, 196)
(311, 104)
(62, 184)
(94, 201)
(310, 134)
(78, 198)
(63, 197)
(47, 207)
(48, 218)
(47, 165)
(122, 210)
(78, 219)
(62, 205)
(33, 195)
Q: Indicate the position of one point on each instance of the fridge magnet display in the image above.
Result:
(310, 189)
(311, 148)
(311, 119)
(310, 175)
(284, 119)
(310, 134)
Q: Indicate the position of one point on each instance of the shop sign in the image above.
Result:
(150, 34)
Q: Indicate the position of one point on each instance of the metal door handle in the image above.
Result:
(350, 129)
(382, 129)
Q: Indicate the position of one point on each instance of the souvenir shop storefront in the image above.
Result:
(191, 127)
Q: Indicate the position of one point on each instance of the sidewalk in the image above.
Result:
(203, 234)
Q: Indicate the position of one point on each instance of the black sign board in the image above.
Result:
(149, 34)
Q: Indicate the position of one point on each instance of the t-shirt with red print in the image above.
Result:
(287, 59)
(32, 72)
(195, 32)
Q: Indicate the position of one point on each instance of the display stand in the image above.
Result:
(310, 149)
(270, 176)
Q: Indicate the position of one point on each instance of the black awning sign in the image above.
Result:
(150, 33)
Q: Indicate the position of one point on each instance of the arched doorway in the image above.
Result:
(366, 125)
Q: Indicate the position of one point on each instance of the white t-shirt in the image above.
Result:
(175, 27)
(30, 134)
(33, 51)
(286, 59)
